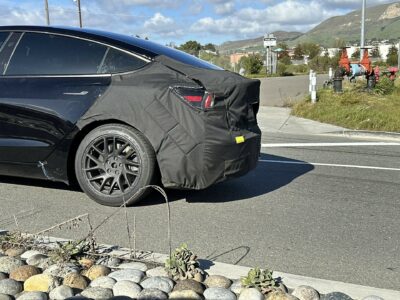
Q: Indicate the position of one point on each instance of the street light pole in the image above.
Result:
(79, 13)
(46, 9)
(364, 4)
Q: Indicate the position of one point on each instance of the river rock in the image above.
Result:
(7, 264)
(217, 293)
(61, 292)
(76, 281)
(61, 270)
(97, 293)
(251, 294)
(111, 262)
(304, 292)
(32, 296)
(14, 252)
(104, 282)
(158, 271)
(29, 253)
(237, 287)
(372, 297)
(3, 276)
(22, 273)
(280, 295)
(336, 296)
(190, 284)
(10, 287)
(152, 294)
(86, 262)
(97, 271)
(161, 283)
(185, 294)
(37, 260)
(127, 274)
(218, 281)
(6, 297)
(41, 283)
(134, 265)
(127, 288)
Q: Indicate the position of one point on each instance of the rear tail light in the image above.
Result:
(196, 97)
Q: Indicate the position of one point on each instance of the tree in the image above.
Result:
(252, 63)
(311, 49)
(210, 47)
(191, 47)
(375, 52)
(298, 52)
(356, 54)
(392, 57)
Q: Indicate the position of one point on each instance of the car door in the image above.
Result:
(47, 84)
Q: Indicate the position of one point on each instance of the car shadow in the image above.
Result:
(271, 174)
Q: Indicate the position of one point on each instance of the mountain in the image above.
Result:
(256, 43)
(382, 23)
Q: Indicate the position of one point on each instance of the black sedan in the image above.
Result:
(115, 113)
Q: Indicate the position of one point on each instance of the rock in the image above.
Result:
(10, 287)
(77, 297)
(61, 292)
(120, 298)
(237, 287)
(111, 262)
(280, 295)
(185, 294)
(218, 281)
(7, 264)
(127, 288)
(76, 281)
(161, 283)
(127, 274)
(133, 265)
(198, 277)
(37, 260)
(3, 276)
(22, 273)
(6, 297)
(97, 271)
(217, 293)
(304, 292)
(251, 294)
(14, 252)
(86, 262)
(61, 270)
(104, 282)
(29, 253)
(97, 293)
(41, 283)
(190, 284)
(152, 294)
(158, 271)
(336, 296)
(283, 287)
(33, 296)
(372, 297)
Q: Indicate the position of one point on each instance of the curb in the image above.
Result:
(367, 134)
(236, 272)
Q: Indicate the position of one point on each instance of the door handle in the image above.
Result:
(83, 93)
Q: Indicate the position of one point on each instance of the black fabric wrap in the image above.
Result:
(195, 148)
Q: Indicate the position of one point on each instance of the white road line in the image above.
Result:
(290, 145)
(327, 165)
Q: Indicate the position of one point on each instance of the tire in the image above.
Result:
(113, 162)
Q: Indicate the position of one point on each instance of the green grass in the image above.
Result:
(354, 109)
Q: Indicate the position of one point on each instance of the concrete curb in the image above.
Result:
(367, 134)
(235, 272)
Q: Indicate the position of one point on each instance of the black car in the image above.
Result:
(114, 112)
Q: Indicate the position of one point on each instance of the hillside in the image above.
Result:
(382, 22)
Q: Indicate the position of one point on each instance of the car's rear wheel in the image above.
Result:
(113, 162)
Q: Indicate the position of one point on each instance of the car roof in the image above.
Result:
(141, 46)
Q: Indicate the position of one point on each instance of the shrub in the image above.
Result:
(385, 86)
(252, 63)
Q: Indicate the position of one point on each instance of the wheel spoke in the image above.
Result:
(126, 179)
(98, 177)
(133, 164)
(97, 167)
(132, 172)
(94, 159)
(104, 183)
(122, 148)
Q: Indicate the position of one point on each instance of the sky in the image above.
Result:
(165, 21)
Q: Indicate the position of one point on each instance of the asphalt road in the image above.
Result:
(283, 91)
(292, 215)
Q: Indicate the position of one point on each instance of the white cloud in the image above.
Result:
(161, 25)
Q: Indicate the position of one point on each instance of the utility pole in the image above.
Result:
(364, 4)
(46, 9)
(78, 2)
(398, 56)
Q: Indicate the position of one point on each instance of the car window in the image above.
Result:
(46, 54)
(7, 49)
(117, 61)
(3, 37)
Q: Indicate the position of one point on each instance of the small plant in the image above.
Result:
(183, 264)
(71, 250)
(262, 280)
(385, 86)
(15, 239)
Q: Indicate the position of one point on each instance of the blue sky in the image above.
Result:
(165, 21)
